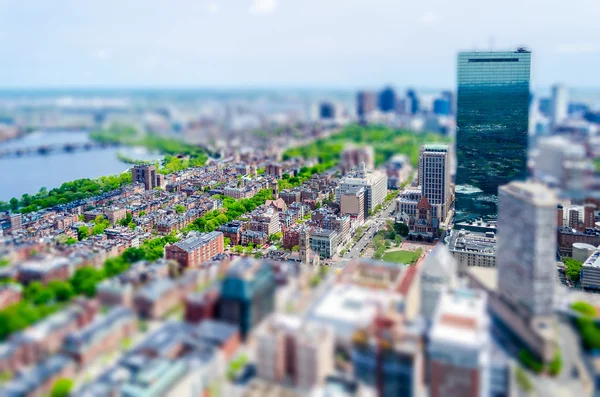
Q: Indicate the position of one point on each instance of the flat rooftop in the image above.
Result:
(347, 307)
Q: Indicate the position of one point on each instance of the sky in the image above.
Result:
(287, 43)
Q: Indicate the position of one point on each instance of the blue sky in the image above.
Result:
(297, 43)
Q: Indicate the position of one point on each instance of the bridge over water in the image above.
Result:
(43, 150)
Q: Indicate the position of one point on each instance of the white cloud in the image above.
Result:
(262, 7)
(102, 54)
(578, 48)
(213, 7)
(429, 18)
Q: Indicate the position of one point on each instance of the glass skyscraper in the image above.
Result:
(492, 122)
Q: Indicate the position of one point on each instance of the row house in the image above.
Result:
(171, 224)
(45, 270)
(233, 230)
(40, 379)
(46, 337)
(265, 220)
(10, 294)
(291, 237)
(255, 237)
(102, 335)
(290, 196)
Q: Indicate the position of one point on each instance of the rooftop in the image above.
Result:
(195, 240)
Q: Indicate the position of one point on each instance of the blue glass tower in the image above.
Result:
(492, 121)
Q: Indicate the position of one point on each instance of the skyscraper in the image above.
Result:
(560, 104)
(527, 246)
(434, 177)
(492, 122)
(365, 103)
(413, 100)
(387, 100)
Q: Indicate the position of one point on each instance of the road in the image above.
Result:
(372, 227)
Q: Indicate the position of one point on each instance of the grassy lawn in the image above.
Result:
(408, 257)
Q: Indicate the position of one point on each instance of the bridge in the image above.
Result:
(44, 150)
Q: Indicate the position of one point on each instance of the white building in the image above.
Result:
(374, 182)
(527, 246)
(560, 104)
(459, 345)
(438, 272)
(590, 271)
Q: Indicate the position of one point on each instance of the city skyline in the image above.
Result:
(104, 44)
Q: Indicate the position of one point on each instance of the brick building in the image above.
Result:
(196, 248)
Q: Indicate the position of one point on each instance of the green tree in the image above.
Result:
(85, 279)
(61, 290)
(83, 232)
(401, 229)
(62, 387)
(531, 362)
(555, 366)
(14, 204)
(573, 269)
(70, 241)
(179, 208)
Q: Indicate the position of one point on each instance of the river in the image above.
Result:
(27, 174)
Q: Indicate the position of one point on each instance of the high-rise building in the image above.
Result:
(449, 96)
(527, 246)
(387, 356)
(327, 111)
(434, 177)
(145, 174)
(374, 183)
(492, 122)
(247, 294)
(438, 273)
(387, 100)
(459, 345)
(413, 99)
(366, 102)
(293, 350)
(441, 107)
(560, 104)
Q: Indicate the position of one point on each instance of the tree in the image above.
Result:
(127, 220)
(401, 228)
(573, 269)
(85, 279)
(70, 241)
(530, 361)
(556, 364)
(83, 232)
(62, 387)
(61, 290)
(14, 204)
(179, 208)
(132, 255)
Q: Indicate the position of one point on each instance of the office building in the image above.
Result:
(366, 103)
(438, 273)
(294, 351)
(528, 247)
(387, 100)
(196, 248)
(324, 242)
(492, 122)
(387, 356)
(413, 101)
(590, 271)
(441, 107)
(459, 345)
(374, 183)
(352, 203)
(473, 248)
(434, 178)
(327, 111)
(560, 104)
(247, 294)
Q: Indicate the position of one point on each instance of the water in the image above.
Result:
(29, 173)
